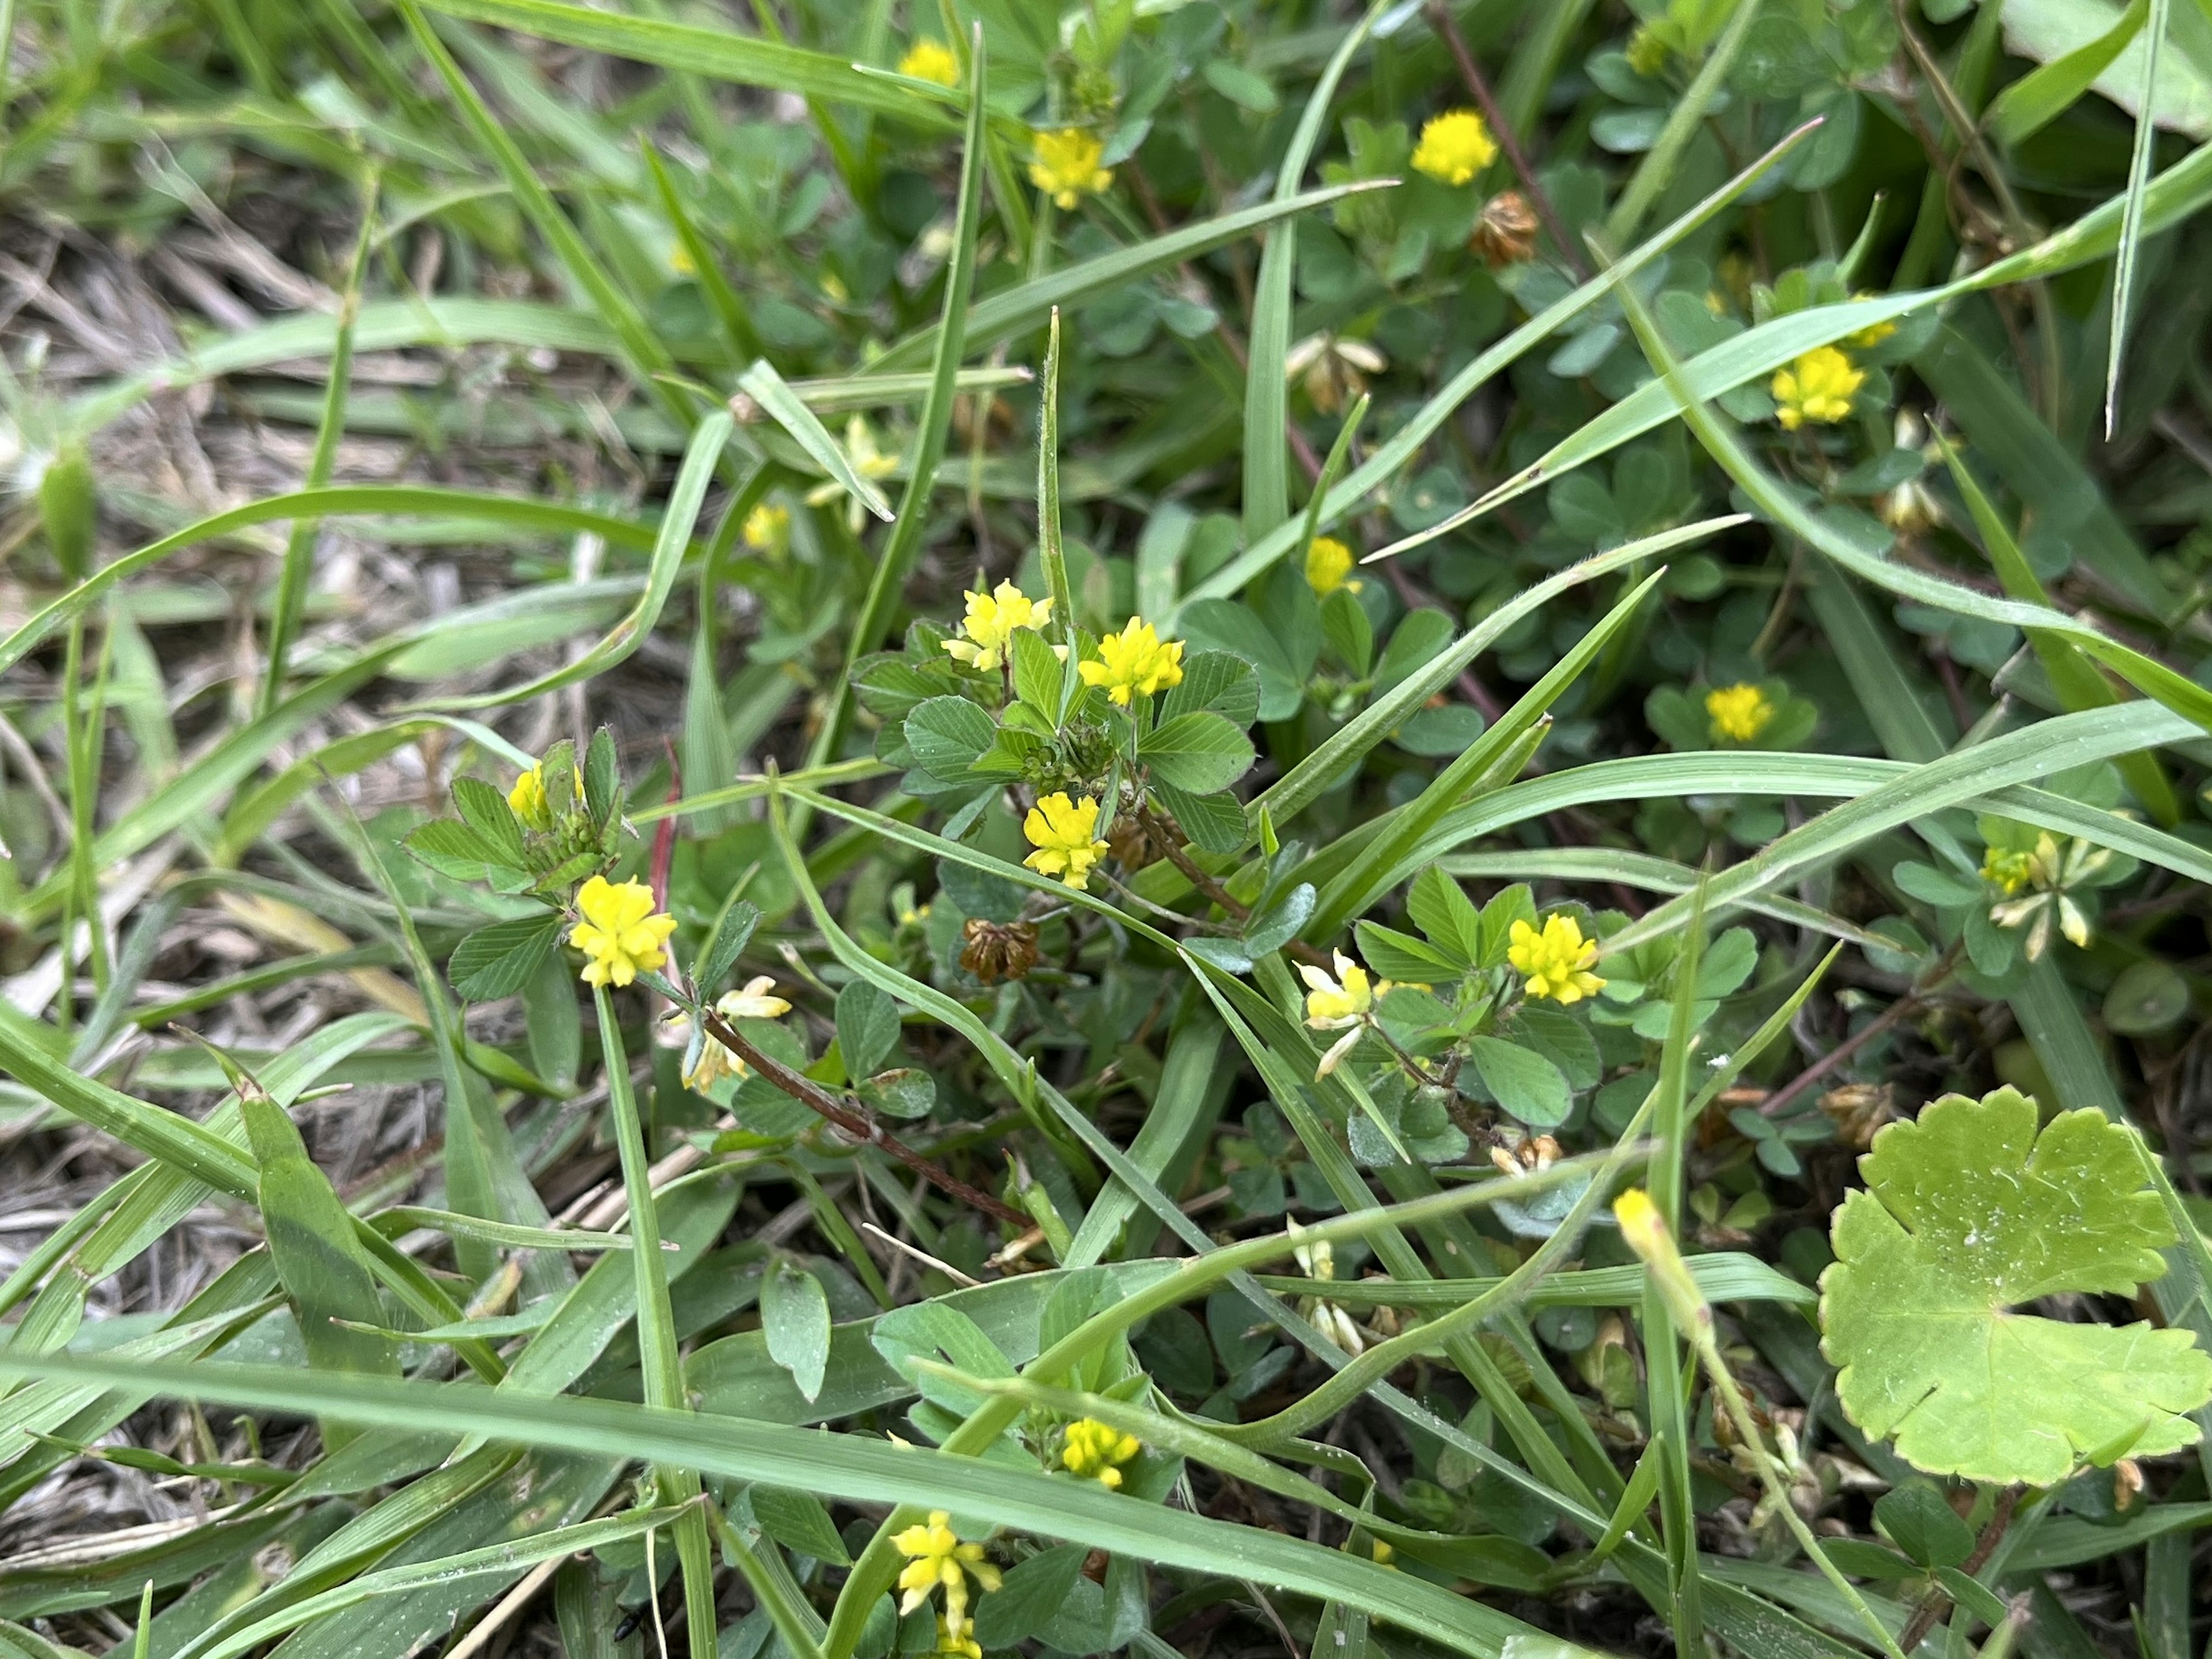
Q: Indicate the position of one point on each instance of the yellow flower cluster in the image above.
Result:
(991, 623)
(1135, 661)
(930, 60)
(1065, 835)
(1092, 1451)
(1455, 146)
(1064, 165)
(621, 934)
(767, 528)
(1556, 962)
(934, 1556)
(1328, 566)
(1738, 713)
(1817, 387)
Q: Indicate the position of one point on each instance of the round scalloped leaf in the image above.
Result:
(1967, 1213)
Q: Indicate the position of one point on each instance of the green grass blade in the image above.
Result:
(767, 388)
(2131, 213)
(701, 457)
(2049, 90)
(300, 549)
(1658, 169)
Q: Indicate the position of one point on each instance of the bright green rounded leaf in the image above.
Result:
(1968, 1213)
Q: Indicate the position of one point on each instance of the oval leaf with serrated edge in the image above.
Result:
(1198, 752)
(1967, 1213)
(498, 961)
(948, 735)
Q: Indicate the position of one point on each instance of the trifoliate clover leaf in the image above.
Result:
(1968, 1213)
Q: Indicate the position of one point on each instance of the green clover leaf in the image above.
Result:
(1966, 1214)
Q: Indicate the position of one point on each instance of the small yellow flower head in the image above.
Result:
(2010, 871)
(680, 261)
(527, 797)
(1555, 963)
(1818, 386)
(990, 623)
(1065, 835)
(1064, 165)
(1092, 1451)
(1135, 661)
(1738, 713)
(620, 932)
(1328, 566)
(754, 1000)
(767, 528)
(934, 1556)
(1455, 146)
(1647, 50)
(930, 60)
(1334, 1001)
(1645, 1231)
(949, 1641)
(1383, 1553)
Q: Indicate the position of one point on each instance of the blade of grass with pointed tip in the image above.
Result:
(701, 457)
(1684, 122)
(1052, 555)
(1267, 390)
(904, 541)
(2131, 215)
(769, 389)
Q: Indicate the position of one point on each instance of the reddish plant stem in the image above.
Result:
(860, 1125)
(1910, 1003)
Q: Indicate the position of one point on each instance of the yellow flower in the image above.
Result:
(767, 528)
(1134, 659)
(753, 1000)
(930, 60)
(1455, 146)
(680, 261)
(1333, 1002)
(1065, 835)
(2010, 871)
(1647, 50)
(1818, 386)
(1382, 1553)
(1328, 566)
(620, 931)
(527, 797)
(949, 1641)
(1092, 1451)
(990, 623)
(935, 1556)
(1555, 963)
(1064, 165)
(1738, 713)
(1645, 1231)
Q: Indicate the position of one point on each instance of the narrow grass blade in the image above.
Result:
(701, 457)
(1684, 121)
(300, 549)
(2131, 215)
(2049, 90)
(767, 389)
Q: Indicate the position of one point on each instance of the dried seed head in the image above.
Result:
(998, 950)
(1505, 233)
(1858, 1109)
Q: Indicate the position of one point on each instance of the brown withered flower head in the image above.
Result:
(1506, 234)
(998, 950)
(1138, 839)
(1858, 1109)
